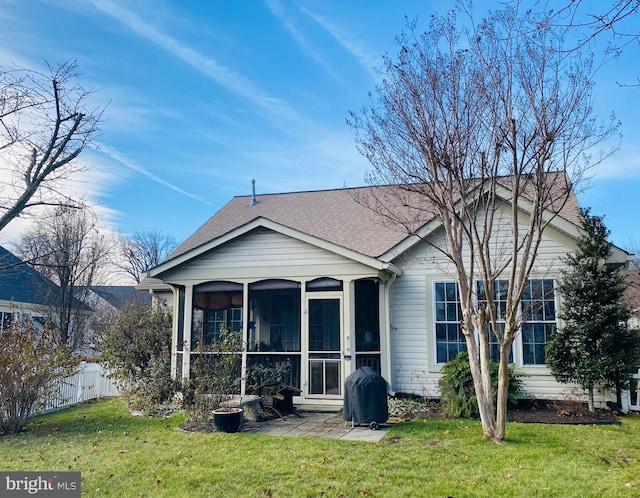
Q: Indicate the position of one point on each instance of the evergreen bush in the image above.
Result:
(457, 394)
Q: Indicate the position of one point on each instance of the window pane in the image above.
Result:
(527, 332)
(452, 315)
(549, 310)
(452, 291)
(539, 354)
(367, 303)
(332, 376)
(449, 339)
(441, 348)
(439, 291)
(536, 289)
(495, 352)
(527, 355)
(539, 315)
(452, 332)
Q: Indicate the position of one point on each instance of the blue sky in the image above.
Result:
(203, 97)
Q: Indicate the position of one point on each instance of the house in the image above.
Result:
(632, 297)
(23, 289)
(319, 285)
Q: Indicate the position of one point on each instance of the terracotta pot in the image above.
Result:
(227, 419)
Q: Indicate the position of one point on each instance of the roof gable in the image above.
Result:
(276, 227)
(20, 283)
(329, 215)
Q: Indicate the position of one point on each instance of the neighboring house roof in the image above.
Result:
(632, 292)
(345, 217)
(20, 283)
(119, 296)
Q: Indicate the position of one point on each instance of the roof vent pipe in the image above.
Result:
(253, 193)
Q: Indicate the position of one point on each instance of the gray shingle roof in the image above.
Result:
(330, 215)
(119, 296)
(338, 216)
(20, 283)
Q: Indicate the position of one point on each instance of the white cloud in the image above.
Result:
(624, 163)
(207, 65)
(280, 13)
(344, 37)
(131, 164)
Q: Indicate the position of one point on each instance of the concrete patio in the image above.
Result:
(317, 425)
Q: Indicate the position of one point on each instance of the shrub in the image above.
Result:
(259, 375)
(215, 375)
(137, 350)
(33, 364)
(457, 394)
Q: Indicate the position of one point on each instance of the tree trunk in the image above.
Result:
(590, 400)
(503, 392)
(485, 400)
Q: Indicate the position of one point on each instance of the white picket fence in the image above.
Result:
(631, 398)
(91, 381)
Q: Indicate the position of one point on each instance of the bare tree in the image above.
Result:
(67, 247)
(144, 250)
(44, 126)
(485, 130)
(607, 20)
(613, 21)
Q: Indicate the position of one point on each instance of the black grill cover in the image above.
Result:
(365, 397)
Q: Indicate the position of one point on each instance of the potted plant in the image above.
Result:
(215, 378)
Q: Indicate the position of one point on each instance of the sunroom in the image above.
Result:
(309, 312)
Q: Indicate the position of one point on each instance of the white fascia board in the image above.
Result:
(524, 205)
(284, 230)
(411, 240)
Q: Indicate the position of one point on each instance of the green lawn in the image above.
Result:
(119, 455)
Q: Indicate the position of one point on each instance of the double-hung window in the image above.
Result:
(449, 337)
(538, 310)
(537, 316)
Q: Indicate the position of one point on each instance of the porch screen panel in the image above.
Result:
(367, 314)
(274, 345)
(217, 306)
(324, 325)
(274, 319)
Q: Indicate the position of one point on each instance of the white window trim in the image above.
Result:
(517, 346)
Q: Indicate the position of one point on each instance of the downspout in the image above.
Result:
(387, 327)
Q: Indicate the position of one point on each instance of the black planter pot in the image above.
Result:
(227, 419)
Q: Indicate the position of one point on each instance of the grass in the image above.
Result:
(121, 455)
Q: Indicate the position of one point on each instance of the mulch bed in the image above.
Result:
(545, 412)
(202, 427)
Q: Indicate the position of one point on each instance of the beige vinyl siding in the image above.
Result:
(542, 385)
(413, 355)
(264, 253)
